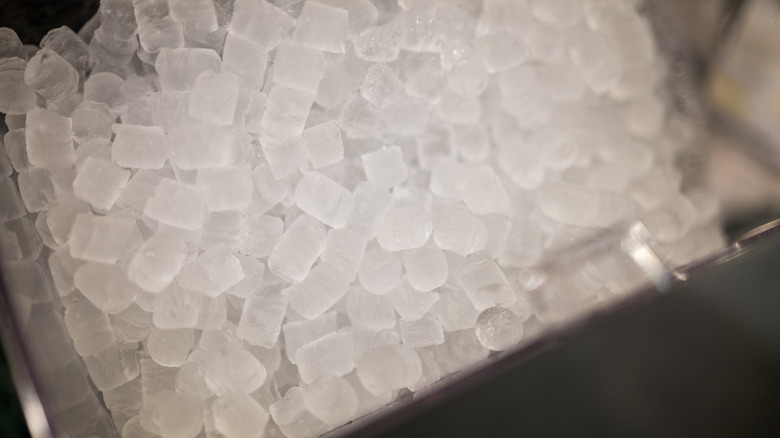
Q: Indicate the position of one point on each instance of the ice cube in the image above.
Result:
(471, 142)
(498, 329)
(140, 188)
(344, 251)
(403, 228)
(131, 325)
(426, 267)
(412, 304)
(388, 368)
(322, 27)
(335, 85)
(468, 77)
(51, 76)
(70, 46)
(38, 189)
(211, 273)
(176, 307)
(157, 261)
(379, 43)
(559, 13)
(484, 282)
(238, 416)
(324, 199)
(457, 109)
(332, 400)
(156, 28)
(199, 12)
(359, 118)
(298, 66)
(16, 148)
(139, 147)
(380, 271)
(202, 146)
(262, 316)
(386, 167)
(112, 367)
(16, 97)
(214, 98)
(370, 202)
(460, 350)
(260, 235)
(226, 188)
(11, 45)
(297, 249)
(245, 59)
(100, 182)
(501, 50)
(330, 355)
(49, 141)
(178, 69)
(89, 327)
(523, 245)
(92, 119)
(249, 111)
(107, 88)
(170, 413)
(105, 286)
(62, 267)
(318, 292)
(582, 206)
(116, 18)
(178, 205)
(482, 191)
(595, 61)
(170, 348)
(371, 311)
(235, 372)
(260, 22)
(422, 333)
(324, 144)
(100, 239)
(381, 86)
(458, 231)
(286, 111)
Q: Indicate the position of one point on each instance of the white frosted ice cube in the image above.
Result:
(260, 22)
(38, 189)
(214, 98)
(245, 59)
(107, 88)
(226, 188)
(381, 86)
(412, 304)
(380, 271)
(156, 28)
(324, 143)
(89, 327)
(100, 182)
(200, 12)
(140, 188)
(330, 355)
(238, 416)
(100, 239)
(501, 50)
(482, 191)
(16, 97)
(456, 230)
(344, 251)
(322, 27)
(371, 311)
(262, 316)
(386, 167)
(51, 76)
(211, 273)
(422, 333)
(49, 141)
(286, 111)
(170, 348)
(139, 147)
(170, 413)
(332, 400)
(297, 249)
(426, 268)
(178, 69)
(178, 205)
(284, 157)
(156, 263)
(484, 282)
(370, 202)
(202, 146)
(403, 228)
(237, 371)
(298, 66)
(388, 368)
(379, 43)
(92, 119)
(105, 286)
(318, 292)
(303, 332)
(324, 199)
(260, 235)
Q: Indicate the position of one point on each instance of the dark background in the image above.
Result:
(31, 19)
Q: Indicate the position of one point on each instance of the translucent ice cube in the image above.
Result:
(16, 97)
(371, 311)
(100, 182)
(200, 12)
(260, 22)
(386, 167)
(344, 251)
(404, 228)
(380, 271)
(422, 333)
(105, 286)
(379, 43)
(298, 66)
(38, 188)
(458, 231)
(330, 355)
(214, 98)
(412, 304)
(177, 204)
(202, 146)
(387, 368)
(297, 249)
(324, 199)
(498, 328)
(157, 261)
(179, 68)
(482, 191)
(426, 268)
(49, 141)
(332, 400)
(51, 76)
(226, 188)
(262, 316)
(211, 273)
(170, 348)
(100, 239)
(484, 282)
(324, 143)
(260, 235)
(245, 59)
(238, 416)
(318, 292)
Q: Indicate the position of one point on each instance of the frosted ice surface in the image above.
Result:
(501, 50)
(245, 59)
(202, 146)
(422, 333)
(170, 348)
(461, 349)
(237, 371)
(454, 309)
(344, 251)
(49, 141)
(482, 191)
(140, 147)
(597, 64)
(112, 367)
(431, 372)
(426, 268)
(381, 86)
(371, 311)
(178, 205)
(386, 167)
(286, 111)
(62, 267)
(425, 79)
(131, 325)
(403, 228)
(11, 45)
(199, 12)
(38, 189)
(359, 118)
(458, 231)
(303, 332)
(100, 182)
(498, 328)
(70, 46)
(457, 109)
(484, 282)
(582, 206)
(62, 214)
(645, 116)
(370, 202)
(16, 97)
(176, 307)
(138, 189)
(156, 378)
(157, 261)
(178, 69)
(380, 271)
(379, 43)
(249, 110)
(411, 304)
(330, 355)
(214, 98)
(284, 157)
(322, 27)
(89, 327)
(174, 414)
(262, 316)
(107, 88)
(226, 188)
(238, 416)
(92, 119)
(335, 85)
(360, 14)
(388, 368)
(105, 286)
(16, 147)
(523, 245)
(51, 76)
(297, 249)
(260, 235)
(260, 22)
(324, 199)
(332, 400)
(468, 77)
(100, 239)
(298, 66)
(211, 273)
(324, 144)
(116, 18)
(318, 292)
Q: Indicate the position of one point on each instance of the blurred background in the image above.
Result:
(704, 360)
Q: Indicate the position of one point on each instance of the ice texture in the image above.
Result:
(386, 167)
(177, 204)
(324, 144)
(157, 261)
(100, 182)
(49, 141)
(16, 97)
(297, 249)
(403, 228)
(324, 199)
(214, 98)
(139, 147)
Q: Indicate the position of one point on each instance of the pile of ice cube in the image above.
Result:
(274, 217)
